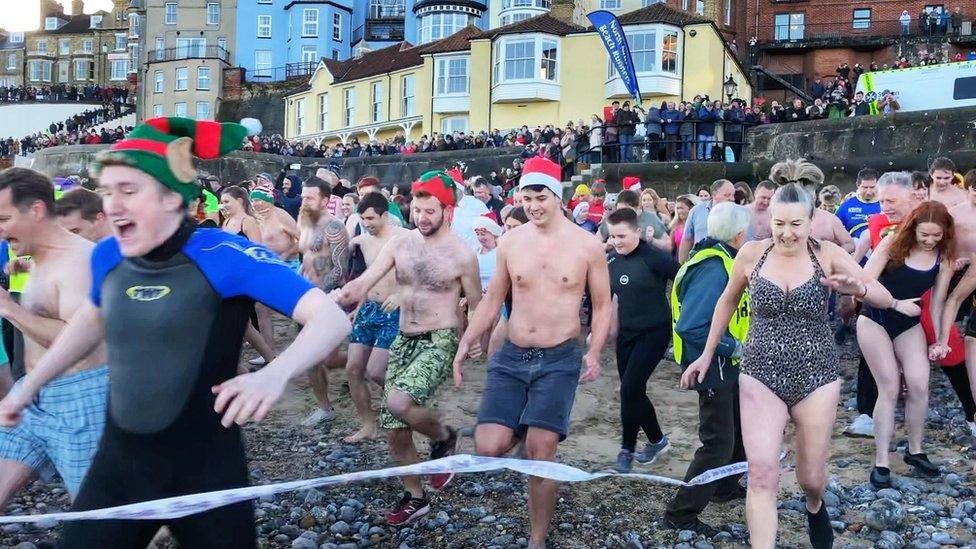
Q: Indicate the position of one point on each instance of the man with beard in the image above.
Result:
(532, 379)
(63, 424)
(324, 245)
(378, 319)
(433, 270)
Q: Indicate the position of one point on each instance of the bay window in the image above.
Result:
(526, 58)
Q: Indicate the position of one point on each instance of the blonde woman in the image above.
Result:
(651, 202)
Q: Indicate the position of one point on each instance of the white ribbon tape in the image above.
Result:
(181, 506)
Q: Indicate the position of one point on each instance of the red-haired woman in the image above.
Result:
(908, 263)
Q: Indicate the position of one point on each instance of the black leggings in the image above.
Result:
(133, 468)
(637, 357)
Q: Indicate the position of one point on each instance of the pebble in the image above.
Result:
(943, 539)
(488, 519)
(347, 513)
(686, 535)
(304, 543)
(885, 514)
(340, 528)
(472, 489)
(25, 545)
(889, 493)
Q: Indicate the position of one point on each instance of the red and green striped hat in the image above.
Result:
(438, 184)
(164, 148)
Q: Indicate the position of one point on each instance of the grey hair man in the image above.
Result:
(696, 226)
(694, 294)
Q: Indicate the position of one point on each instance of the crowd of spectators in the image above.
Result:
(75, 130)
(60, 93)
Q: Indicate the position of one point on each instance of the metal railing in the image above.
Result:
(855, 28)
(666, 148)
(277, 74)
(384, 29)
(188, 52)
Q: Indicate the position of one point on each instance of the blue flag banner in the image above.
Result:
(612, 34)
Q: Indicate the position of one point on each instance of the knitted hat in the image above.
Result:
(439, 185)
(483, 222)
(266, 175)
(599, 188)
(263, 191)
(539, 170)
(164, 148)
(631, 183)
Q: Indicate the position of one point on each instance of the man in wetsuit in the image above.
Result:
(433, 270)
(378, 318)
(324, 244)
(172, 374)
(63, 425)
(532, 379)
(80, 212)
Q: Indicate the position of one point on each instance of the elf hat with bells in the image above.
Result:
(164, 148)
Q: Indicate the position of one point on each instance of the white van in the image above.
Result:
(942, 86)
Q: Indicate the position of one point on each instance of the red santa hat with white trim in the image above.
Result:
(539, 170)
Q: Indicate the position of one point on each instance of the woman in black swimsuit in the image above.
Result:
(238, 216)
(908, 263)
(790, 368)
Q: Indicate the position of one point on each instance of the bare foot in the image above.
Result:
(366, 433)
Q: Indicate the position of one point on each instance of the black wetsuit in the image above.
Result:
(174, 321)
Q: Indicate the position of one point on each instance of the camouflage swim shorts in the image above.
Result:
(419, 364)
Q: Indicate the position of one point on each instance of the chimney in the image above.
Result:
(570, 11)
(77, 7)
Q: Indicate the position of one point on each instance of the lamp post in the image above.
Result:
(730, 87)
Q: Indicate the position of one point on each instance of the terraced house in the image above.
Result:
(546, 69)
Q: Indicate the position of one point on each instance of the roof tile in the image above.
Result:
(661, 13)
(544, 23)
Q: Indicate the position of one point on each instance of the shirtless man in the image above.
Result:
(325, 254)
(964, 215)
(63, 425)
(378, 319)
(943, 187)
(434, 269)
(80, 211)
(828, 227)
(532, 379)
(279, 232)
(759, 209)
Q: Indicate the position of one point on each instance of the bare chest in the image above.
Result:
(40, 295)
(548, 270)
(427, 268)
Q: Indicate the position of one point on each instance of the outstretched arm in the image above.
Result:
(355, 290)
(598, 282)
(487, 310)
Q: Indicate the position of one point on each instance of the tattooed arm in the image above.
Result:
(338, 239)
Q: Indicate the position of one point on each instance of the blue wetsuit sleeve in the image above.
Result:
(104, 258)
(237, 267)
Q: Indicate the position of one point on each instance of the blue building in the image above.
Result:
(278, 39)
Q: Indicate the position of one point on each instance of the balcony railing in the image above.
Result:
(189, 52)
(384, 29)
(861, 29)
(305, 68)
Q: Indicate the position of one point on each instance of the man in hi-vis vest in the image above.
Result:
(695, 291)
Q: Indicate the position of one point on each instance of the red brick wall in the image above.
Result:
(232, 84)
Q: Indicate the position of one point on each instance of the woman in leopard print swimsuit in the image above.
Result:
(790, 366)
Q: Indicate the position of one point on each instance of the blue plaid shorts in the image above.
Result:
(373, 327)
(62, 427)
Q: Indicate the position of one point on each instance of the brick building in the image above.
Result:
(793, 42)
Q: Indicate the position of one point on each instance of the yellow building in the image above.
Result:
(538, 71)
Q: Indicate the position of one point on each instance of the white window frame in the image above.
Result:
(120, 41)
(262, 69)
(448, 129)
(323, 112)
(337, 27)
(118, 74)
(157, 111)
(159, 82)
(203, 78)
(650, 61)
(299, 116)
(42, 46)
(700, 7)
(206, 108)
(265, 1)
(169, 13)
(310, 26)
(408, 87)
(861, 23)
(179, 109)
(309, 49)
(444, 23)
(446, 83)
(50, 23)
(376, 101)
(64, 46)
(348, 107)
(11, 61)
(609, 4)
(501, 63)
(645, 3)
(264, 26)
(88, 45)
(134, 25)
(182, 79)
(17, 38)
(213, 13)
(222, 45)
(95, 21)
(727, 12)
(81, 69)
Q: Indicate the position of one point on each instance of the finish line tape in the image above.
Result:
(181, 506)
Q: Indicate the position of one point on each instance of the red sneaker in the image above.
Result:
(443, 449)
(408, 510)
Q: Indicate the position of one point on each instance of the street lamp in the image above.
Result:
(730, 87)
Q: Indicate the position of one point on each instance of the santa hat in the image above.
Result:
(631, 183)
(539, 170)
(164, 148)
(483, 222)
(456, 175)
(263, 191)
